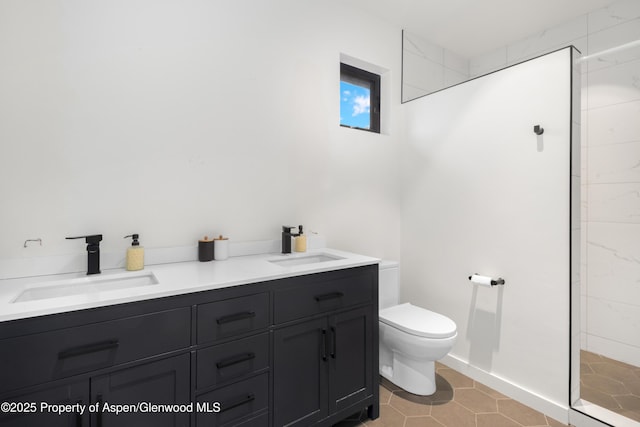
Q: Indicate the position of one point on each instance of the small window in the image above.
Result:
(359, 99)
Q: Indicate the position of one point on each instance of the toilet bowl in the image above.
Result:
(411, 338)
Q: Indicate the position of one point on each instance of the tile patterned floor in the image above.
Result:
(458, 401)
(611, 384)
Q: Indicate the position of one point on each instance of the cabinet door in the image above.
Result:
(300, 374)
(68, 394)
(350, 358)
(164, 382)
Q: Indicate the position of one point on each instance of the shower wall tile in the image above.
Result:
(576, 209)
(626, 88)
(488, 62)
(423, 73)
(613, 349)
(452, 77)
(618, 321)
(613, 124)
(614, 163)
(576, 152)
(423, 48)
(614, 264)
(561, 35)
(613, 37)
(616, 326)
(456, 62)
(614, 14)
(411, 92)
(615, 203)
(584, 150)
(429, 67)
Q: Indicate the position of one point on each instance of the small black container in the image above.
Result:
(205, 250)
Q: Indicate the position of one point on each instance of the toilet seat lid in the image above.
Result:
(418, 321)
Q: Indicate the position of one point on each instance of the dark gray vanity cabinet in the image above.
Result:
(325, 348)
(233, 360)
(165, 381)
(66, 393)
(295, 351)
(96, 357)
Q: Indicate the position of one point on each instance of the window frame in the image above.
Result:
(355, 75)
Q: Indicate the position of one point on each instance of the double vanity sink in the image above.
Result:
(58, 293)
(245, 333)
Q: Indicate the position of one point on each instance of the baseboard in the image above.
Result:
(552, 409)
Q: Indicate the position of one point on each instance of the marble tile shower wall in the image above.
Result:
(429, 67)
(610, 168)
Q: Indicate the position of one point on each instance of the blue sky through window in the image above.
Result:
(355, 105)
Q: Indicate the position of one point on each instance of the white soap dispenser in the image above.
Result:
(135, 254)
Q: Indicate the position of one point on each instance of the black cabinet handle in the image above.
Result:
(78, 416)
(89, 348)
(234, 360)
(235, 317)
(238, 402)
(333, 343)
(99, 414)
(332, 295)
(324, 344)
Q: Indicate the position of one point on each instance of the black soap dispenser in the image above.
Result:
(135, 254)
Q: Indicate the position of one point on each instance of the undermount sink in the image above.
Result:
(86, 285)
(302, 260)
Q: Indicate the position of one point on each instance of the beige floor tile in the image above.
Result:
(521, 413)
(389, 417)
(603, 384)
(554, 423)
(422, 422)
(628, 403)
(475, 400)
(599, 398)
(489, 391)
(411, 405)
(453, 414)
(589, 357)
(385, 395)
(495, 420)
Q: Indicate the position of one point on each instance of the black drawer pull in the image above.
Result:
(89, 348)
(332, 295)
(236, 317)
(234, 360)
(334, 348)
(323, 345)
(238, 402)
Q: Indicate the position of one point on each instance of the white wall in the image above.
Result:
(483, 194)
(610, 178)
(176, 119)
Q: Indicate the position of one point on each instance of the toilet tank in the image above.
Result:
(388, 284)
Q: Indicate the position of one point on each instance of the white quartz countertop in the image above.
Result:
(172, 279)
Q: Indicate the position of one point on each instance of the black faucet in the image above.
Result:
(93, 252)
(286, 238)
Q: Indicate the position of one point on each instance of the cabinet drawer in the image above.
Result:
(223, 319)
(322, 296)
(46, 356)
(225, 362)
(237, 401)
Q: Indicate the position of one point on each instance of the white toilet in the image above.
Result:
(411, 338)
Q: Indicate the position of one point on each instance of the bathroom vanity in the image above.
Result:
(298, 347)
